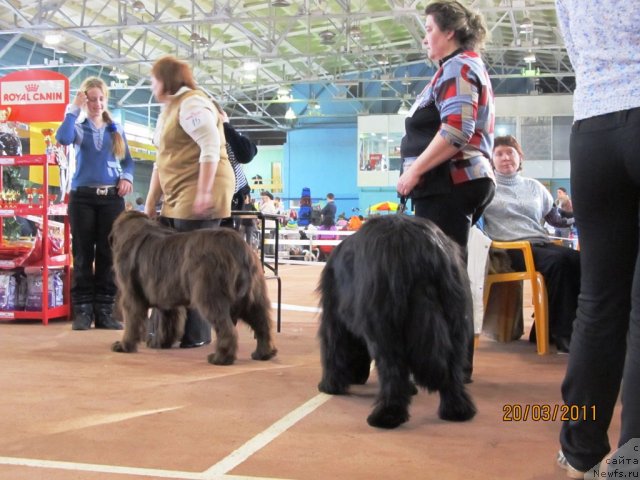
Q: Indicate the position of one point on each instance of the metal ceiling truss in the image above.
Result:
(329, 45)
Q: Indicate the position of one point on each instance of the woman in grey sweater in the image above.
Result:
(518, 211)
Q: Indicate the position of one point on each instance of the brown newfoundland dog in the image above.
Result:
(211, 270)
(397, 292)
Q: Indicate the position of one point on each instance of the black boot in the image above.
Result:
(104, 317)
(82, 316)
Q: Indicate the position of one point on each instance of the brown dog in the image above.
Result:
(211, 270)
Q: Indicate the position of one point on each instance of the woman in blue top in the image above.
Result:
(103, 176)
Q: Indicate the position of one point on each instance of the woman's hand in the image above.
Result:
(150, 209)
(203, 204)
(125, 187)
(407, 181)
(81, 100)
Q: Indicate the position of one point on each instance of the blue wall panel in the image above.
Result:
(325, 160)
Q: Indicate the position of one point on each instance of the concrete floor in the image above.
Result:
(72, 409)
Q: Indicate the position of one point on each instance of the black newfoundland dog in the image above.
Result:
(397, 292)
(212, 270)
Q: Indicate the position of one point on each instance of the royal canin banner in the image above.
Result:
(34, 95)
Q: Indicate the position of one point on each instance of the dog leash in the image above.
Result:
(403, 205)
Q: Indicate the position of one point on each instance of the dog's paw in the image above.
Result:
(360, 378)
(390, 416)
(219, 359)
(457, 411)
(121, 347)
(332, 388)
(257, 355)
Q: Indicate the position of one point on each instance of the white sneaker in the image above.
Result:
(572, 472)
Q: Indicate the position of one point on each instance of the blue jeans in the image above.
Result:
(91, 217)
(605, 345)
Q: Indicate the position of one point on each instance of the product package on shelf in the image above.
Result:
(23, 253)
(20, 291)
(33, 300)
(8, 290)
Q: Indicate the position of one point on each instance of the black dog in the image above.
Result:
(397, 292)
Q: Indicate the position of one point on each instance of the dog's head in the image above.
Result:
(127, 226)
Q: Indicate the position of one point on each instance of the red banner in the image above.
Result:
(34, 96)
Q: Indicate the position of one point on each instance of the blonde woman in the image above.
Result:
(103, 176)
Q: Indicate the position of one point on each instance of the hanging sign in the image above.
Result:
(34, 95)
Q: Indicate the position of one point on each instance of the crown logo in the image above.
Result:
(31, 87)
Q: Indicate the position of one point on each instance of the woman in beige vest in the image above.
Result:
(192, 170)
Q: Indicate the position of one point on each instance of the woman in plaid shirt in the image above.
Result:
(447, 146)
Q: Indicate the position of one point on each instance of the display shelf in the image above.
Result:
(39, 212)
(27, 160)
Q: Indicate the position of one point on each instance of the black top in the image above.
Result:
(329, 214)
(420, 130)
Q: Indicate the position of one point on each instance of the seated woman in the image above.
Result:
(517, 212)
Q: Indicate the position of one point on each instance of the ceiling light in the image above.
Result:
(280, 3)
(526, 25)
(194, 38)
(530, 57)
(355, 32)
(404, 108)
(249, 66)
(290, 114)
(53, 38)
(122, 75)
(138, 6)
(284, 94)
(313, 107)
(113, 72)
(327, 36)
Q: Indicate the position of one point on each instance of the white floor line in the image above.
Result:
(117, 470)
(296, 308)
(238, 456)
(91, 467)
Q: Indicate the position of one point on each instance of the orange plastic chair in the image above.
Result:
(538, 288)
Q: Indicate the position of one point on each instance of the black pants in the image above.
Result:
(560, 267)
(455, 213)
(237, 203)
(605, 345)
(196, 328)
(91, 217)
